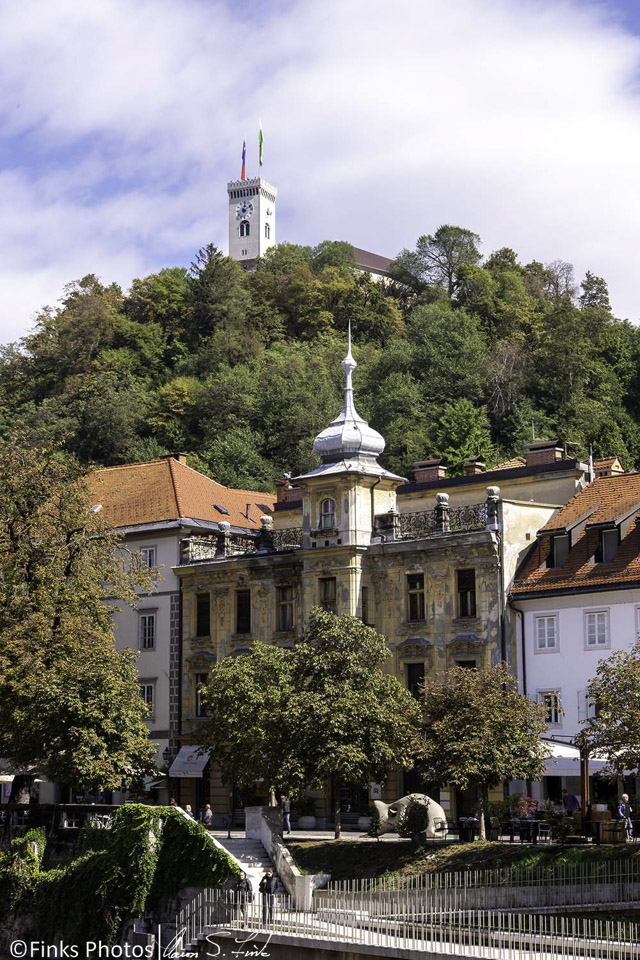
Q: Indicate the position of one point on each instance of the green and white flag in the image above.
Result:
(260, 144)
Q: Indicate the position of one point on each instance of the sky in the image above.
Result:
(121, 122)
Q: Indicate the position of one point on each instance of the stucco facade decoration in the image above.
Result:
(435, 587)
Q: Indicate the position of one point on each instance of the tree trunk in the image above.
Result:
(337, 812)
(483, 803)
(21, 788)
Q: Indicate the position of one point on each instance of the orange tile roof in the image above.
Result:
(607, 462)
(166, 490)
(512, 464)
(613, 498)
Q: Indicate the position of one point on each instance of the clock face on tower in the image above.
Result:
(244, 209)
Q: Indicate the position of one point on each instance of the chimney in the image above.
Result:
(180, 457)
(474, 465)
(286, 492)
(542, 451)
(425, 471)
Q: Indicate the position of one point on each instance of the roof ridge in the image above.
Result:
(193, 470)
(170, 462)
(128, 466)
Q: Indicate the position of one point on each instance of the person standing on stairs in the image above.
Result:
(268, 888)
(243, 894)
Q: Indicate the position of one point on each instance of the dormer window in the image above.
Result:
(559, 550)
(608, 544)
(327, 514)
(245, 229)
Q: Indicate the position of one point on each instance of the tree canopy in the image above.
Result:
(477, 730)
(325, 711)
(458, 356)
(69, 702)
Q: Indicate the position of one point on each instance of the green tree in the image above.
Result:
(463, 431)
(614, 730)
(69, 702)
(352, 722)
(477, 730)
(326, 711)
(248, 728)
(438, 258)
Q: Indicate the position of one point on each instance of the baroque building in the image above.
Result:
(429, 564)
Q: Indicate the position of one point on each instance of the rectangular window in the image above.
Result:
(148, 694)
(607, 546)
(149, 556)
(467, 664)
(284, 600)
(466, 593)
(415, 679)
(203, 615)
(243, 611)
(201, 681)
(415, 591)
(328, 595)
(366, 613)
(546, 633)
(147, 631)
(596, 629)
(559, 550)
(552, 705)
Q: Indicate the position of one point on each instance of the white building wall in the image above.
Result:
(569, 667)
(154, 665)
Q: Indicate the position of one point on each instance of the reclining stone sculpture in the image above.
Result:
(389, 814)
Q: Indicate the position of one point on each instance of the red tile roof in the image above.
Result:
(512, 464)
(166, 489)
(613, 498)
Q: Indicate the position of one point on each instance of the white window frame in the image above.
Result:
(143, 616)
(637, 623)
(328, 515)
(552, 692)
(552, 615)
(147, 690)
(149, 556)
(597, 612)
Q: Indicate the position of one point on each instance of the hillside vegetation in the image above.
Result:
(459, 356)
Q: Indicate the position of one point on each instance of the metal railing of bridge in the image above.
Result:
(410, 925)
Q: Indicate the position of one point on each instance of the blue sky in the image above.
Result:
(122, 120)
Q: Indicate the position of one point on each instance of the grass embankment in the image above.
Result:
(352, 859)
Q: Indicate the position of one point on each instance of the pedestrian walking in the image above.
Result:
(207, 816)
(268, 887)
(285, 806)
(624, 812)
(189, 811)
(243, 894)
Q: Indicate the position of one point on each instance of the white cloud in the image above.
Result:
(123, 119)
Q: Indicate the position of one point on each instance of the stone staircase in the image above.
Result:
(251, 855)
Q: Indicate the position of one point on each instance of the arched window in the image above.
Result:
(267, 230)
(244, 228)
(328, 514)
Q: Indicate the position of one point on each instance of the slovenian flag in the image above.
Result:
(260, 143)
(243, 175)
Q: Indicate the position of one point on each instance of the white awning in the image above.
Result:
(565, 761)
(190, 762)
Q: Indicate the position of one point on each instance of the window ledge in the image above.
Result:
(409, 624)
(467, 621)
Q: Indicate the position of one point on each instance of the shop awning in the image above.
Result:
(565, 761)
(190, 762)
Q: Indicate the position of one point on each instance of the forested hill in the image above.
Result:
(456, 358)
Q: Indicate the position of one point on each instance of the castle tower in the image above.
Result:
(252, 219)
